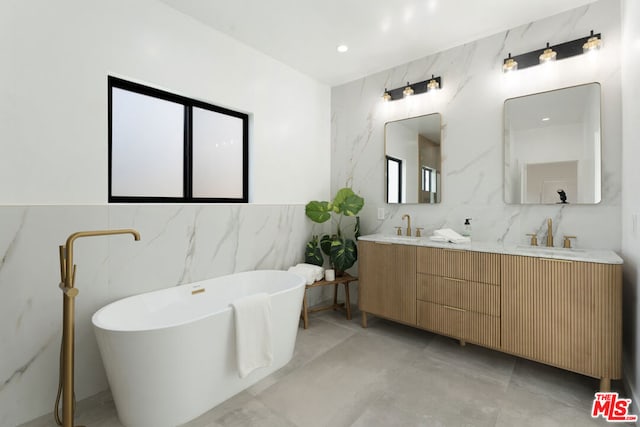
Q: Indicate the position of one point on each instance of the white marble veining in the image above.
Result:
(601, 256)
(471, 103)
(179, 244)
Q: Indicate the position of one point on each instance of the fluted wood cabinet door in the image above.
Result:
(387, 280)
(564, 313)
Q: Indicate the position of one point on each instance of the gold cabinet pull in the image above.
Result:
(454, 280)
(453, 250)
(383, 243)
(453, 308)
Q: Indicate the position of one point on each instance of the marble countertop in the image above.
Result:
(602, 256)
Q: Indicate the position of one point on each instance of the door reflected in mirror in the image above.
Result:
(413, 157)
(552, 146)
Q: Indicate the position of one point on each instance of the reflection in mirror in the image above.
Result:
(552, 147)
(412, 150)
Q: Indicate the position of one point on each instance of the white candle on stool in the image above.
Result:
(329, 275)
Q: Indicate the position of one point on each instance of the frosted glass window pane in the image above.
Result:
(147, 146)
(217, 155)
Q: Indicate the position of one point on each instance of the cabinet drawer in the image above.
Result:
(460, 264)
(473, 296)
(443, 262)
(440, 318)
(474, 327)
(482, 329)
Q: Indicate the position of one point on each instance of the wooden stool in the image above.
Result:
(343, 280)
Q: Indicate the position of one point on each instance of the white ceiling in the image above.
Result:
(562, 107)
(380, 33)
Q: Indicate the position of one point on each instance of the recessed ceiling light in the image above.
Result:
(546, 119)
(343, 48)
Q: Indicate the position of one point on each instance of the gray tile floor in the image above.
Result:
(390, 375)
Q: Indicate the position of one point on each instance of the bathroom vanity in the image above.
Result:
(562, 307)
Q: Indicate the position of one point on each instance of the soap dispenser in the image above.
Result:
(466, 232)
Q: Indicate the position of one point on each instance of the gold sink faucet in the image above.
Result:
(408, 223)
(549, 233)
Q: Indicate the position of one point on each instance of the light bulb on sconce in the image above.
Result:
(549, 55)
(509, 65)
(434, 84)
(592, 44)
(386, 96)
(408, 91)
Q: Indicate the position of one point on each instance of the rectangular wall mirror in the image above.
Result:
(413, 157)
(552, 146)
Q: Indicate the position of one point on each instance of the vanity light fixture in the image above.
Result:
(408, 91)
(434, 83)
(548, 55)
(552, 53)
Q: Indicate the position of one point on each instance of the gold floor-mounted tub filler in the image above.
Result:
(67, 284)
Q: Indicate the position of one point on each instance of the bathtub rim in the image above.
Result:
(228, 308)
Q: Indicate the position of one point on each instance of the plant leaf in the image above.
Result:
(325, 244)
(318, 211)
(344, 253)
(347, 202)
(341, 196)
(352, 205)
(312, 254)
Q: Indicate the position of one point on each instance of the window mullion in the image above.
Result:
(188, 152)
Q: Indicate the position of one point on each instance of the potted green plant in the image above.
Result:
(341, 250)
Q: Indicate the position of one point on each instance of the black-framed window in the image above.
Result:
(428, 178)
(394, 180)
(165, 147)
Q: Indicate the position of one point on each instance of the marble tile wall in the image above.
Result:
(471, 103)
(180, 244)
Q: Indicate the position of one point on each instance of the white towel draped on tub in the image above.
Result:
(253, 332)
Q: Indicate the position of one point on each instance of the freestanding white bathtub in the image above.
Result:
(170, 355)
